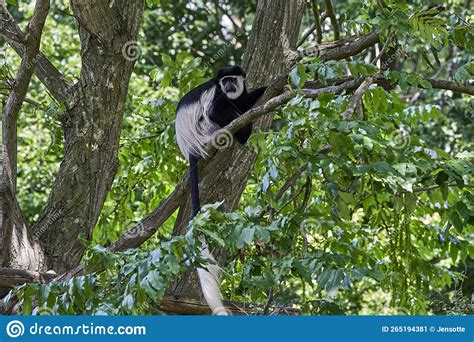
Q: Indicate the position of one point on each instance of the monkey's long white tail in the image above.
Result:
(209, 278)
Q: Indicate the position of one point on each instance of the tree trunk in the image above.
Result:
(92, 126)
(17, 246)
(224, 177)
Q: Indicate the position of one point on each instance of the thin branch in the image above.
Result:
(453, 86)
(266, 308)
(27, 100)
(377, 58)
(237, 26)
(357, 97)
(308, 187)
(436, 186)
(317, 18)
(332, 16)
(435, 84)
(310, 31)
(306, 34)
(464, 21)
(290, 182)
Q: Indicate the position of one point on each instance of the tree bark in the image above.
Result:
(190, 306)
(224, 177)
(92, 125)
(17, 248)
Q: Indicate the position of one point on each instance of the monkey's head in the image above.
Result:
(232, 81)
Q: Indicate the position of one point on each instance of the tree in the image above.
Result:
(346, 195)
(91, 122)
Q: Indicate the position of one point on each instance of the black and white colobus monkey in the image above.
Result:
(200, 114)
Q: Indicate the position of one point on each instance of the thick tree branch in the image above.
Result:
(47, 73)
(12, 277)
(92, 126)
(17, 246)
(148, 226)
(276, 102)
(351, 47)
(190, 306)
(22, 82)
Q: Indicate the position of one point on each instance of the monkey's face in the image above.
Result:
(232, 86)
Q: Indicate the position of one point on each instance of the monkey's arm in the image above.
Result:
(244, 133)
(255, 95)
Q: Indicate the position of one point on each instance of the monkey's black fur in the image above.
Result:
(223, 111)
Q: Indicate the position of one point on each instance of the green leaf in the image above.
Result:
(128, 302)
(167, 60)
(246, 237)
